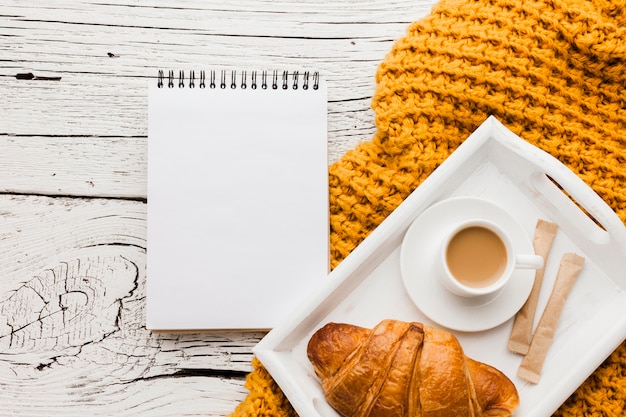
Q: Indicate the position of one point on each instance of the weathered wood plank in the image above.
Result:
(72, 315)
(82, 166)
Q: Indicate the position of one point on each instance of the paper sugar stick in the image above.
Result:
(530, 368)
(522, 331)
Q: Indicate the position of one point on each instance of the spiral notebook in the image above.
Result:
(237, 197)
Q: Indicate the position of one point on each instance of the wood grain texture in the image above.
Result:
(73, 185)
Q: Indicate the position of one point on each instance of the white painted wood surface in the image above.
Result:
(73, 185)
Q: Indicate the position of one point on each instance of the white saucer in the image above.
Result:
(419, 253)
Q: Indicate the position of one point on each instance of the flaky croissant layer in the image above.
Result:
(405, 369)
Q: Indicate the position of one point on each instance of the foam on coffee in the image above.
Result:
(476, 256)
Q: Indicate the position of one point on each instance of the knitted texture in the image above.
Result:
(554, 72)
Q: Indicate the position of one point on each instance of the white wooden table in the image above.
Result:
(73, 185)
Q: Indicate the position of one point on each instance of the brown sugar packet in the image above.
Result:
(522, 331)
(530, 368)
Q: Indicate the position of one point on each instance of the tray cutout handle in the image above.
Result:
(576, 203)
(571, 200)
(594, 219)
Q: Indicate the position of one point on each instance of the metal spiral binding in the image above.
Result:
(223, 79)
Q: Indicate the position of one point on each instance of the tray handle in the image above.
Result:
(572, 197)
(569, 198)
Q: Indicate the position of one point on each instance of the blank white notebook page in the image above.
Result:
(237, 204)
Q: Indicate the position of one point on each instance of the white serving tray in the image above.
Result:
(367, 286)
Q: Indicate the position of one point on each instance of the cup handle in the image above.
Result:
(528, 262)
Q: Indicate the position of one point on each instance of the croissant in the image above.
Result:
(405, 369)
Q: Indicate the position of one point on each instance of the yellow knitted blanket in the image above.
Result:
(553, 71)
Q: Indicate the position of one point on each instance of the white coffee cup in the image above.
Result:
(478, 259)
